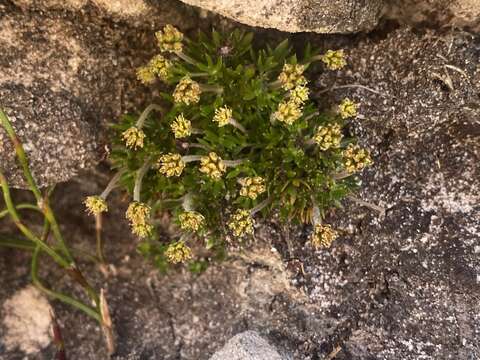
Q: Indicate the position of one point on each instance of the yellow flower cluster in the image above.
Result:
(223, 116)
(356, 159)
(292, 76)
(95, 205)
(171, 164)
(328, 136)
(288, 112)
(252, 187)
(181, 127)
(213, 166)
(178, 252)
(299, 94)
(187, 91)
(138, 214)
(347, 109)
(323, 236)
(169, 39)
(160, 66)
(191, 220)
(133, 137)
(334, 60)
(145, 75)
(241, 223)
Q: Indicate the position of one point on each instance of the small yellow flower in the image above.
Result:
(142, 230)
(178, 252)
(213, 166)
(299, 94)
(145, 75)
(347, 109)
(292, 76)
(241, 223)
(169, 39)
(95, 205)
(138, 214)
(133, 137)
(334, 60)
(252, 187)
(181, 127)
(191, 220)
(323, 236)
(160, 66)
(328, 136)
(187, 91)
(223, 116)
(171, 164)
(356, 159)
(288, 112)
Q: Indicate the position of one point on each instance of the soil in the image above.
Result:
(405, 285)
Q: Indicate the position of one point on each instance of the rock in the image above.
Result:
(447, 13)
(399, 281)
(248, 345)
(321, 16)
(67, 70)
(26, 321)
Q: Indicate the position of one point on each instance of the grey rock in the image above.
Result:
(453, 13)
(248, 345)
(320, 16)
(67, 70)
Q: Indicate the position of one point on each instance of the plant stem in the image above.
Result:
(191, 158)
(381, 210)
(277, 84)
(146, 112)
(186, 58)
(25, 231)
(233, 163)
(42, 203)
(260, 206)
(17, 243)
(139, 178)
(99, 242)
(200, 74)
(199, 146)
(342, 175)
(21, 207)
(56, 295)
(211, 88)
(111, 185)
(237, 125)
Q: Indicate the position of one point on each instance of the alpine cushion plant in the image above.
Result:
(235, 139)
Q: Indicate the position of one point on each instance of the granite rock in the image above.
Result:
(320, 16)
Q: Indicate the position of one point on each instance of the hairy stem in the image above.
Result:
(237, 125)
(139, 178)
(146, 112)
(260, 206)
(233, 163)
(111, 185)
(211, 88)
(381, 210)
(186, 58)
(191, 158)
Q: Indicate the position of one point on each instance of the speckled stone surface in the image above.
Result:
(320, 16)
(67, 70)
(248, 345)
